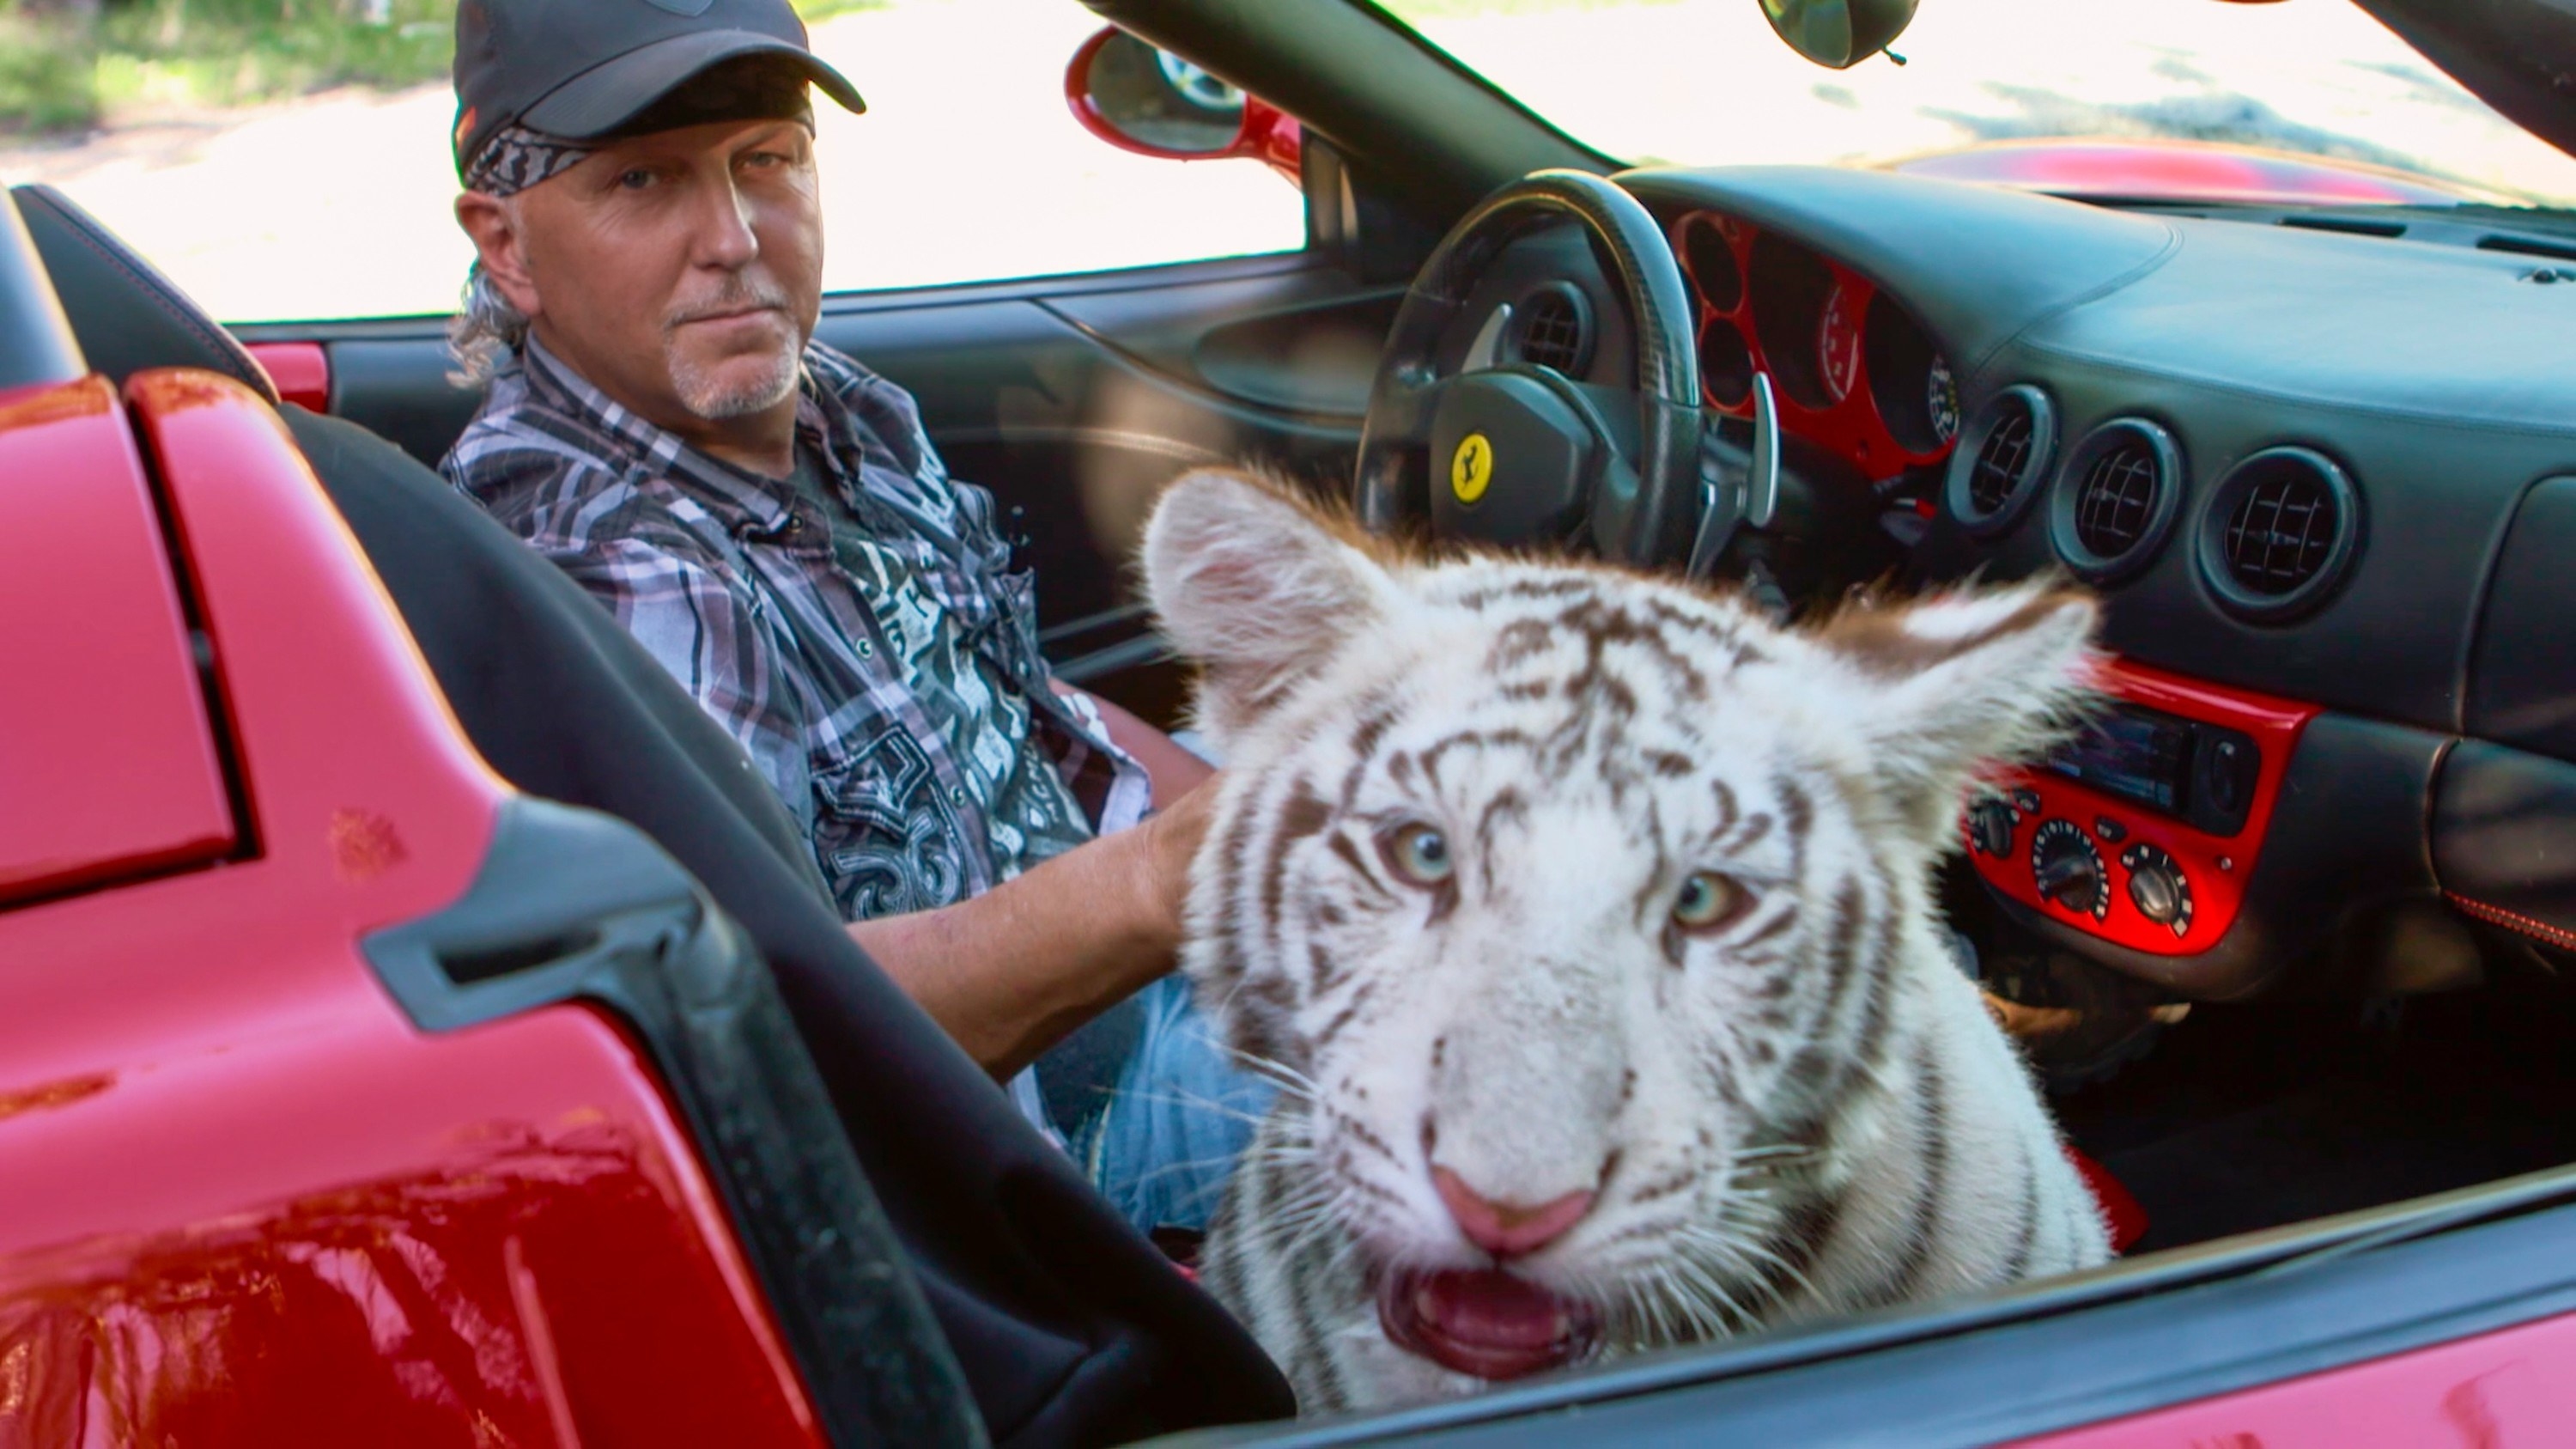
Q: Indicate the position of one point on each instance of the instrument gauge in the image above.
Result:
(1941, 400)
(1838, 344)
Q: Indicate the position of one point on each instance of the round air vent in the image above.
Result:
(2002, 458)
(1552, 327)
(2281, 530)
(2116, 499)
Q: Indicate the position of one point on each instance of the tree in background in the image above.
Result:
(66, 65)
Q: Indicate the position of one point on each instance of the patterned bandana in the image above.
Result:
(518, 158)
(757, 89)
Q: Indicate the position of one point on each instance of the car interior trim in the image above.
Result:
(301, 371)
(2504, 836)
(2521, 668)
(2499, 916)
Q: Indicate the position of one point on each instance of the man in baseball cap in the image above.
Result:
(770, 521)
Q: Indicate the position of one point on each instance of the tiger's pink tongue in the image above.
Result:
(1485, 1323)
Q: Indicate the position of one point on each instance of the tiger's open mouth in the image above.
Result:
(1485, 1323)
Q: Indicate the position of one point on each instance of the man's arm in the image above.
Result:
(1014, 970)
(1017, 969)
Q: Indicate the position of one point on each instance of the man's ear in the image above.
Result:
(1256, 587)
(492, 223)
(1952, 684)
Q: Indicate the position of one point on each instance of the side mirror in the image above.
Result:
(1154, 103)
(1838, 33)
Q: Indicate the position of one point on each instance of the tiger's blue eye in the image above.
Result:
(1709, 900)
(1419, 853)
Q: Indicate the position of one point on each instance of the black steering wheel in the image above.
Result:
(1517, 453)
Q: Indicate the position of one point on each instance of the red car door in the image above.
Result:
(304, 1137)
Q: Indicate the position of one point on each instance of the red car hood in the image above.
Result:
(2131, 169)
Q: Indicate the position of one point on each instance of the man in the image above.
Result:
(770, 521)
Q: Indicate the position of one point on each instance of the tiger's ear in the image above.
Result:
(1951, 684)
(1256, 587)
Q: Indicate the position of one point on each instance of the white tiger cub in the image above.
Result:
(1589, 916)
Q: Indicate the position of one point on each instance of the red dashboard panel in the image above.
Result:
(108, 767)
(1834, 347)
(2202, 872)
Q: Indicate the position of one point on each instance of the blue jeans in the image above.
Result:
(1163, 1147)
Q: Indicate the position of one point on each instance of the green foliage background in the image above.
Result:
(67, 65)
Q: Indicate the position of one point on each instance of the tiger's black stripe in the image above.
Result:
(2026, 1231)
(1932, 1110)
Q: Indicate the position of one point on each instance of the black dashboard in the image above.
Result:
(2317, 461)
(2439, 382)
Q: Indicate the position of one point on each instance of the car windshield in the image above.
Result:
(1705, 82)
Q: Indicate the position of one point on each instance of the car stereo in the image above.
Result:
(2201, 774)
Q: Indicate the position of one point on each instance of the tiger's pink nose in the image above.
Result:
(1508, 1229)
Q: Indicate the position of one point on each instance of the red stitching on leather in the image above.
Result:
(2498, 915)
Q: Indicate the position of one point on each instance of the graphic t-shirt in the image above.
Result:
(982, 721)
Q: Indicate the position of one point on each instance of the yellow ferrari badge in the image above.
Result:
(1471, 467)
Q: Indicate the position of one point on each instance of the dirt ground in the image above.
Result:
(968, 167)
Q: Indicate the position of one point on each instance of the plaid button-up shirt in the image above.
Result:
(730, 579)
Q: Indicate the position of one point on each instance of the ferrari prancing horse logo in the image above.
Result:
(1471, 467)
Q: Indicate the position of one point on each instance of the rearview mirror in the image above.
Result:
(1155, 103)
(1838, 33)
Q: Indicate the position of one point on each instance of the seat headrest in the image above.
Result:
(127, 315)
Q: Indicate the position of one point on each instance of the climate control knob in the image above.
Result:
(1990, 826)
(2158, 888)
(2068, 869)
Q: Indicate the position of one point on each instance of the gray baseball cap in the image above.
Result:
(583, 69)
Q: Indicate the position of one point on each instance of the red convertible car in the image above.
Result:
(420, 1026)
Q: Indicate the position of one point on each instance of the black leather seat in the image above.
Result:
(127, 315)
(1069, 1326)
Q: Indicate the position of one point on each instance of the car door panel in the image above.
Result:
(1300, 342)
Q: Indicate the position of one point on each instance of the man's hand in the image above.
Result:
(1013, 971)
(1172, 840)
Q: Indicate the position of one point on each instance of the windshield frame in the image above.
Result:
(2427, 170)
